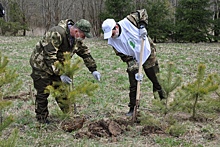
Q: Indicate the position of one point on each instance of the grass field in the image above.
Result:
(110, 100)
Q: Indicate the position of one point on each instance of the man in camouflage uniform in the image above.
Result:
(117, 33)
(67, 36)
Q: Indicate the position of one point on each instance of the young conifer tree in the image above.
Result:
(169, 83)
(71, 92)
(193, 93)
(8, 85)
(9, 82)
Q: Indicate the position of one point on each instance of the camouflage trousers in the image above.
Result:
(41, 102)
(150, 73)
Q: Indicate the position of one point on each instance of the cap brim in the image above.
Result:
(88, 35)
(108, 35)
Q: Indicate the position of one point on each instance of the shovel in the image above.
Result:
(134, 116)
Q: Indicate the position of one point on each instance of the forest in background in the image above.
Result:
(169, 20)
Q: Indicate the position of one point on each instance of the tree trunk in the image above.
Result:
(216, 17)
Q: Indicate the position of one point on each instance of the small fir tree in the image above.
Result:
(169, 83)
(8, 85)
(191, 94)
(71, 92)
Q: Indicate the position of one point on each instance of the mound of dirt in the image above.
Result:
(72, 124)
(104, 128)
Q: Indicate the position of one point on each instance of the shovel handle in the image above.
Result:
(134, 117)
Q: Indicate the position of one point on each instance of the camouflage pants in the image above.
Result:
(41, 102)
(150, 73)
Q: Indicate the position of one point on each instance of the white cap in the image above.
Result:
(107, 27)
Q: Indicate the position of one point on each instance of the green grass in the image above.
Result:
(172, 142)
(110, 100)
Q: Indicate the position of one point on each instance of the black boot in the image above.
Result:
(131, 111)
(161, 94)
(43, 121)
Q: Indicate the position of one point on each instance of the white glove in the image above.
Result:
(143, 32)
(96, 75)
(139, 77)
(65, 79)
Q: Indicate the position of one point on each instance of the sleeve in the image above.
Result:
(143, 17)
(51, 43)
(84, 52)
(138, 18)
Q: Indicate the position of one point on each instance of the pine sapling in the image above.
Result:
(8, 85)
(169, 83)
(68, 94)
(194, 92)
(9, 82)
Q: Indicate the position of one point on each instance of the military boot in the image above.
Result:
(131, 111)
(161, 94)
(43, 121)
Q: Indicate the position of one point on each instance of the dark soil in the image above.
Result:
(104, 128)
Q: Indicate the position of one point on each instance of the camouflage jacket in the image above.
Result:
(138, 18)
(50, 49)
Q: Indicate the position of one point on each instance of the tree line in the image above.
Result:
(169, 20)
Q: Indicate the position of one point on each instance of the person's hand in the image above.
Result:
(65, 79)
(96, 75)
(139, 77)
(143, 32)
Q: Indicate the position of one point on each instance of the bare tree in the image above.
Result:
(56, 11)
(216, 15)
(47, 13)
(95, 8)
